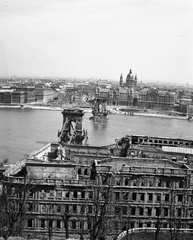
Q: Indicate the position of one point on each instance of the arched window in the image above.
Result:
(151, 183)
(181, 184)
(79, 171)
(167, 184)
(126, 182)
(118, 181)
(142, 183)
(160, 183)
(135, 183)
(13, 191)
(86, 171)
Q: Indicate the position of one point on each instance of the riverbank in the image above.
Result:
(44, 107)
(31, 106)
(159, 115)
(142, 113)
(111, 110)
(10, 106)
(156, 115)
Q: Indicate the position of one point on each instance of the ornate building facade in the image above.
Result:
(155, 99)
(130, 82)
(67, 193)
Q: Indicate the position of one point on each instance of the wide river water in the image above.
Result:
(23, 131)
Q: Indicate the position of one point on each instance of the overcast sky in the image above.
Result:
(97, 39)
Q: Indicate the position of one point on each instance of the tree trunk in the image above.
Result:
(67, 229)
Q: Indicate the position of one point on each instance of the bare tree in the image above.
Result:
(13, 206)
(61, 212)
(66, 215)
(49, 217)
(99, 207)
(176, 212)
(49, 210)
(159, 218)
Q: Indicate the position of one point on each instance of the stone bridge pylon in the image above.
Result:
(72, 131)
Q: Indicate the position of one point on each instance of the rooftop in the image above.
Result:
(177, 150)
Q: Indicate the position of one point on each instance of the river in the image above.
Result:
(23, 131)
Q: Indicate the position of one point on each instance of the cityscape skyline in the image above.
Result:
(97, 39)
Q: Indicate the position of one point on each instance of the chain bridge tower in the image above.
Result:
(72, 131)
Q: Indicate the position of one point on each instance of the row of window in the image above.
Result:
(155, 100)
(118, 195)
(150, 197)
(56, 194)
(149, 182)
(56, 224)
(124, 209)
(60, 194)
(59, 208)
(83, 171)
(158, 212)
(170, 142)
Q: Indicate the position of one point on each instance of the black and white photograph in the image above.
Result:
(96, 120)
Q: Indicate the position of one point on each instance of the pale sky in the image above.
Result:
(97, 39)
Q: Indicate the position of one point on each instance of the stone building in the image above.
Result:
(155, 99)
(130, 82)
(126, 89)
(18, 97)
(114, 96)
(29, 93)
(6, 96)
(103, 93)
(123, 96)
(87, 191)
(39, 94)
(145, 185)
(190, 110)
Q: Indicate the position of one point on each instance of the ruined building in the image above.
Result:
(72, 131)
(99, 110)
(88, 192)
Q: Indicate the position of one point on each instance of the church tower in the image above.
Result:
(131, 81)
(135, 80)
(121, 81)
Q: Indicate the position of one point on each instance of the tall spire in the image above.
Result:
(121, 80)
